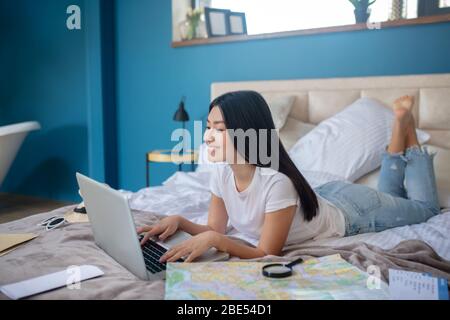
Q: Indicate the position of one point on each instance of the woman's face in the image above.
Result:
(215, 136)
(217, 139)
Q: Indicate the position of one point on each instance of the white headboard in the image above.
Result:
(318, 99)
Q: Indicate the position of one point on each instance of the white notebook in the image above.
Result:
(67, 277)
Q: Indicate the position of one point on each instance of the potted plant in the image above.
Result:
(191, 27)
(362, 11)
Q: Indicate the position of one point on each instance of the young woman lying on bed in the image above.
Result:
(271, 208)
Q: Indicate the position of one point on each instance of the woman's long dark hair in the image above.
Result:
(248, 110)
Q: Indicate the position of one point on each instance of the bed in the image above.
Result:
(315, 101)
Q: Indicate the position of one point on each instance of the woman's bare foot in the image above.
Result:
(405, 102)
(403, 131)
(402, 110)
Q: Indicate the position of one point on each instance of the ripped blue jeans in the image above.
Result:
(407, 194)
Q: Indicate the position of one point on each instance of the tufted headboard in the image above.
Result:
(318, 99)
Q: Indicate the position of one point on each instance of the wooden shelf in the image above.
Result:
(344, 28)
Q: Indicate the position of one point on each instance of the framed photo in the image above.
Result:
(217, 22)
(237, 23)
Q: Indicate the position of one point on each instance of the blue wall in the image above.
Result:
(152, 76)
(43, 78)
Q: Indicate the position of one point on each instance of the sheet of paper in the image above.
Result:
(407, 285)
(55, 280)
(8, 241)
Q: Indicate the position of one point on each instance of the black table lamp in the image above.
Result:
(181, 115)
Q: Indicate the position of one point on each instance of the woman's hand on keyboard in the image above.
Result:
(192, 248)
(164, 228)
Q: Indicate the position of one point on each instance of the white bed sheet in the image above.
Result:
(187, 194)
(184, 193)
(435, 232)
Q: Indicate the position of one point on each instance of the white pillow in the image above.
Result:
(441, 171)
(280, 106)
(349, 144)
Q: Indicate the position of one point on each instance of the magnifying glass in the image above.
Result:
(279, 270)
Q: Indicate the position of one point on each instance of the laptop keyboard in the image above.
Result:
(152, 253)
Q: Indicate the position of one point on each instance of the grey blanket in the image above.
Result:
(74, 244)
(409, 255)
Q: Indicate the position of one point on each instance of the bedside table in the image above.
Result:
(166, 156)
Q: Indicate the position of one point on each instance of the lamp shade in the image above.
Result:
(181, 114)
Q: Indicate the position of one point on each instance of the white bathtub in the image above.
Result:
(11, 138)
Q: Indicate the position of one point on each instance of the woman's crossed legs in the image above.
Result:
(407, 192)
(407, 173)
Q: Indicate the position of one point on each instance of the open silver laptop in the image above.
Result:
(115, 232)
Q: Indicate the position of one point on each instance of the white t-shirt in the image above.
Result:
(270, 191)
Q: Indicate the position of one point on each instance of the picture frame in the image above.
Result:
(237, 23)
(217, 22)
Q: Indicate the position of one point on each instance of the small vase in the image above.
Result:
(188, 30)
(192, 30)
